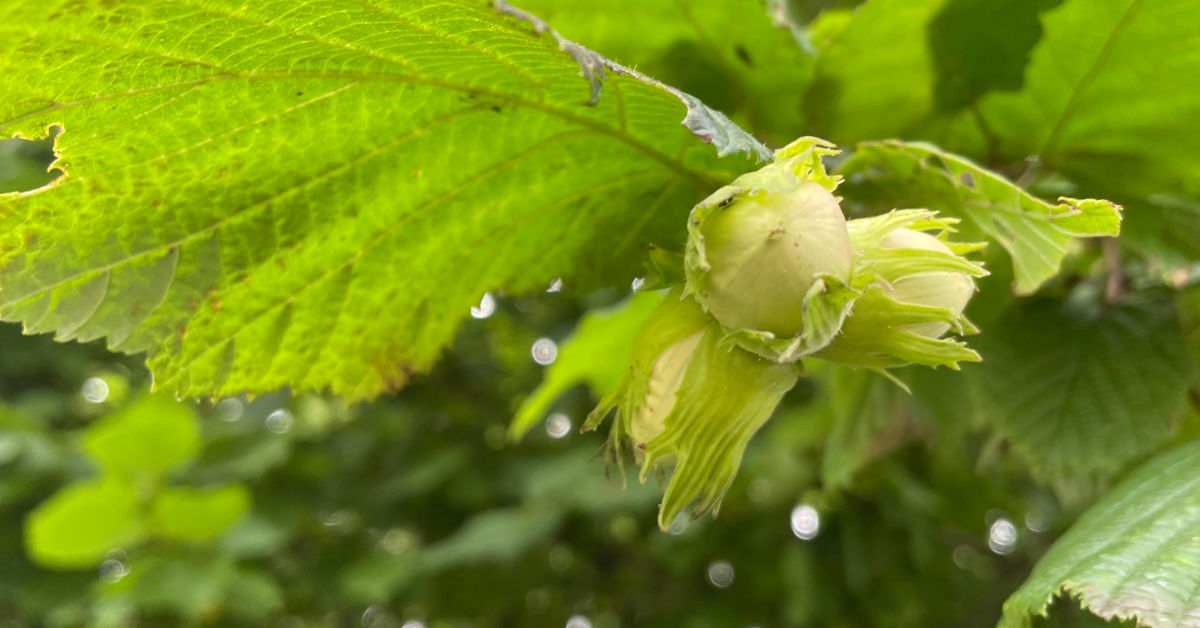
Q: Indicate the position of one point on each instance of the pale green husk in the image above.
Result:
(726, 395)
(675, 320)
(692, 400)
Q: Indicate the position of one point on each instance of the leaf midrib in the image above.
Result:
(699, 180)
(1088, 77)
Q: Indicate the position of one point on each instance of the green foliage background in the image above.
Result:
(308, 510)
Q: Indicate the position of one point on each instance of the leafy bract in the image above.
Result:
(1132, 555)
(1034, 232)
(1078, 392)
(313, 194)
(741, 56)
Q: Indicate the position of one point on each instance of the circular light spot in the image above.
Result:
(678, 525)
(340, 521)
(720, 574)
(9, 448)
(95, 390)
(113, 570)
(398, 541)
(579, 621)
(230, 410)
(537, 600)
(375, 617)
(759, 490)
(806, 522)
(279, 421)
(544, 351)
(558, 425)
(486, 307)
(561, 558)
(963, 556)
(1002, 536)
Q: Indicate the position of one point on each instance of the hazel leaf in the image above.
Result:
(261, 195)
(1131, 556)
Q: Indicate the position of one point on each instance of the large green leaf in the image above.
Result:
(1034, 232)
(926, 63)
(731, 53)
(1134, 554)
(1102, 99)
(856, 78)
(1102, 103)
(314, 194)
(1079, 392)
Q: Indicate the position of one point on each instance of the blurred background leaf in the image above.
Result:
(1079, 392)
(82, 523)
(117, 443)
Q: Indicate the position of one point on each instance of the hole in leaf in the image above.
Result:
(25, 164)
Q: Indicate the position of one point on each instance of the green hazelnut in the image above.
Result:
(765, 249)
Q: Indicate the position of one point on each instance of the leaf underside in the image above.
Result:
(313, 194)
(1134, 554)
